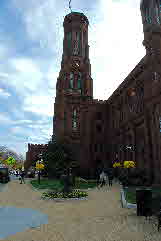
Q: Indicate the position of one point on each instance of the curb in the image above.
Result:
(124, 203)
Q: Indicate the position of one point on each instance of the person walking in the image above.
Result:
(98, 172)
(22, 175)
(16, 173)
(110, 178)
(102, 179)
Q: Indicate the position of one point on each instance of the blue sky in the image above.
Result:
(31, 41)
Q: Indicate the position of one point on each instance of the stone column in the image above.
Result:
(157, 140)
(148, 147)
(154, 142)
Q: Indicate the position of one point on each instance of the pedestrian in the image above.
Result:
(22, 175)
(16, 173)
(102, 179)
(110, 178)
(98, 172)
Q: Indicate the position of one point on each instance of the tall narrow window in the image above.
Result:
(69, 41)
(74, 119)
(71, 81)
(65, 120)
(158, 14)
(148, 17)
(74, 113)
(76, 44)
(79, 80)
(79, 42)
(84, 43)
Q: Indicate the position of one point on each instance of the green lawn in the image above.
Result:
(130, 194)
(55, 184)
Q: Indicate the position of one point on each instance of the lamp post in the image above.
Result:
(40, 155)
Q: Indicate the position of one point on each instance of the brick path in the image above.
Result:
(100, 218)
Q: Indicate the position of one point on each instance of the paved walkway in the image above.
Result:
(100, 218)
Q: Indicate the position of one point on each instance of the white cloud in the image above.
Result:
(3, 52)
(4, 75)
(5, 119)
(42, 19)
(17, 130)
(4, 93)
(39, 104)
(27, 75)
(22, 121)
(115, 45)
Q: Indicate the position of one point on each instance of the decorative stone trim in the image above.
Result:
(124, 203)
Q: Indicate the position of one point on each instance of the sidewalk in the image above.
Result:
(100, 218)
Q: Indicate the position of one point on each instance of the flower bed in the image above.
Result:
(75, 194)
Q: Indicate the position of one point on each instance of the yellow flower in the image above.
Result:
(117, 164)
(128, 164)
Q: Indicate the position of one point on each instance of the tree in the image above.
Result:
(58, 157)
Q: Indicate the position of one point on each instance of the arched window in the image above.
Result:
(148, 17)
(71, 80)
(84, 42)
(79, 41)
(65, 119)
(79, 80)
(74, 113)
(69, 40)
(74, 119)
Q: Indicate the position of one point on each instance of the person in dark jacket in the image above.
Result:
(22, 175)
(110, 177)
(16, 173)
(98, 172)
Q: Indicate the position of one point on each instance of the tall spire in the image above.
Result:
(150, 11)
(70, 5)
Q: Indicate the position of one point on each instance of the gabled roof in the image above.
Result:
(130, 78)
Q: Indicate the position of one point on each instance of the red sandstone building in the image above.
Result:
(130, 117)
(32, 155)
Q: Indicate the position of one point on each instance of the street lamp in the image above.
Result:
(40, 156)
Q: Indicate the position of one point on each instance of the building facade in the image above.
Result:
(32, 155)
(100, 130)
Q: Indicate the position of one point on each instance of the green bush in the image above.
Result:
(58, 194)
(134, 177)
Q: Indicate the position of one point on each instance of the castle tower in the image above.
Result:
(74, 82)
(151, 19)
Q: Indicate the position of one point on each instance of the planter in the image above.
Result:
(144, 201)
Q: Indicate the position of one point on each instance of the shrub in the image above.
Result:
(58, 194)
(134, 177)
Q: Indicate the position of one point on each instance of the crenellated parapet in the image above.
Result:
(37, 146)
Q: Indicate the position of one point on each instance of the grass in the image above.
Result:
(47, 184)
(130, 194)
(55, 184)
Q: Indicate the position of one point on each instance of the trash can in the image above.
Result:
(144, 202)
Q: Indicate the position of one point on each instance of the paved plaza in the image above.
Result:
(100, 218)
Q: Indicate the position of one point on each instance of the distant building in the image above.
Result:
(32, 155)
